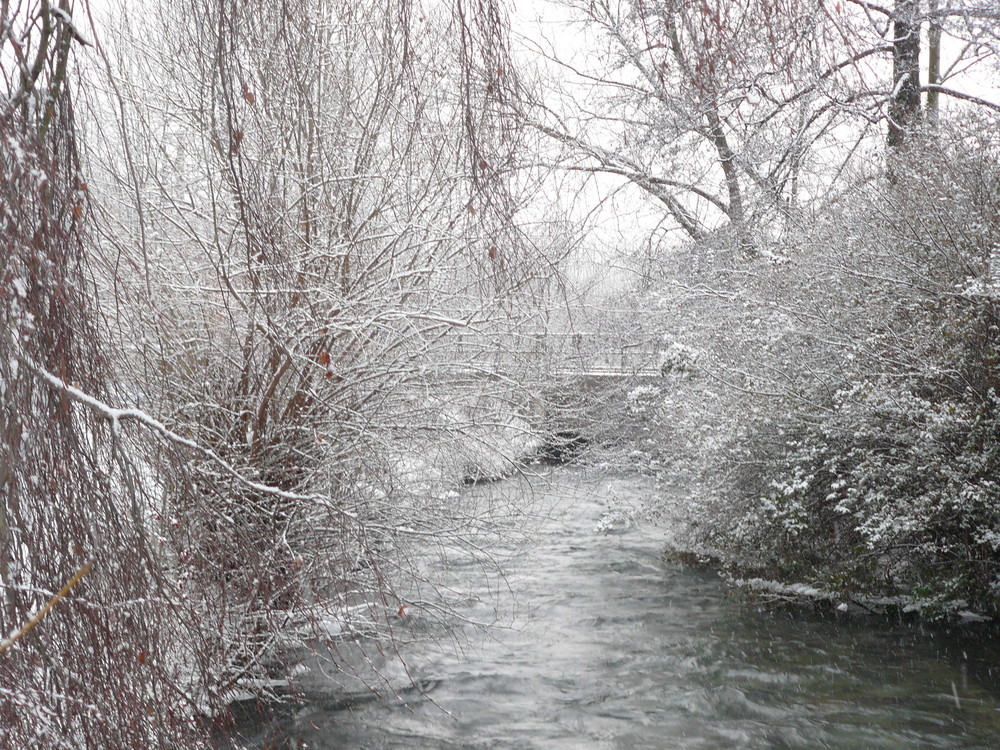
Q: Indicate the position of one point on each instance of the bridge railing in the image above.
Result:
(563, 352)
(609, 353)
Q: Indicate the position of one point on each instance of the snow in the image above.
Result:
(20, 155)
(67, 19)
(794, 590)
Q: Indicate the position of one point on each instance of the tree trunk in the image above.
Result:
(904, 109)
(933, 62)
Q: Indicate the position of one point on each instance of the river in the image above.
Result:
(612, 647)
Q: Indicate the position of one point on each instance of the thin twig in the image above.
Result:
(37, 618)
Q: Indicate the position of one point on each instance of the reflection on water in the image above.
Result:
(615, 648)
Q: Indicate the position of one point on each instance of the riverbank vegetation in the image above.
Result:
(857, 440)
(833, 288)
(265, 298)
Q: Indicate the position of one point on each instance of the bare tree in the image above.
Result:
(321, 269)
(741, 115)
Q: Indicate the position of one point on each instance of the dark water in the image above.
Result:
(615, 648)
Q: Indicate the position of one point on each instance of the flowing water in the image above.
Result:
(615, 648)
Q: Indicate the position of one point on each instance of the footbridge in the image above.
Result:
(586, 379)
(561, 356)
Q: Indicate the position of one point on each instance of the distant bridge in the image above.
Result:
(599, 354)
(586, 354)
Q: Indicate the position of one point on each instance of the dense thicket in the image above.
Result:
(838, 418)
(257, 258)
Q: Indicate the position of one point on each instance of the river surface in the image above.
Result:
(613, 647)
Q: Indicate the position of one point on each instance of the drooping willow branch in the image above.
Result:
(116, 416)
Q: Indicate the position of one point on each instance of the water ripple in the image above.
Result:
(616, 649)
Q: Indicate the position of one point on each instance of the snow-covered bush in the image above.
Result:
(678, 358)
(842, 431)
(892, 494)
